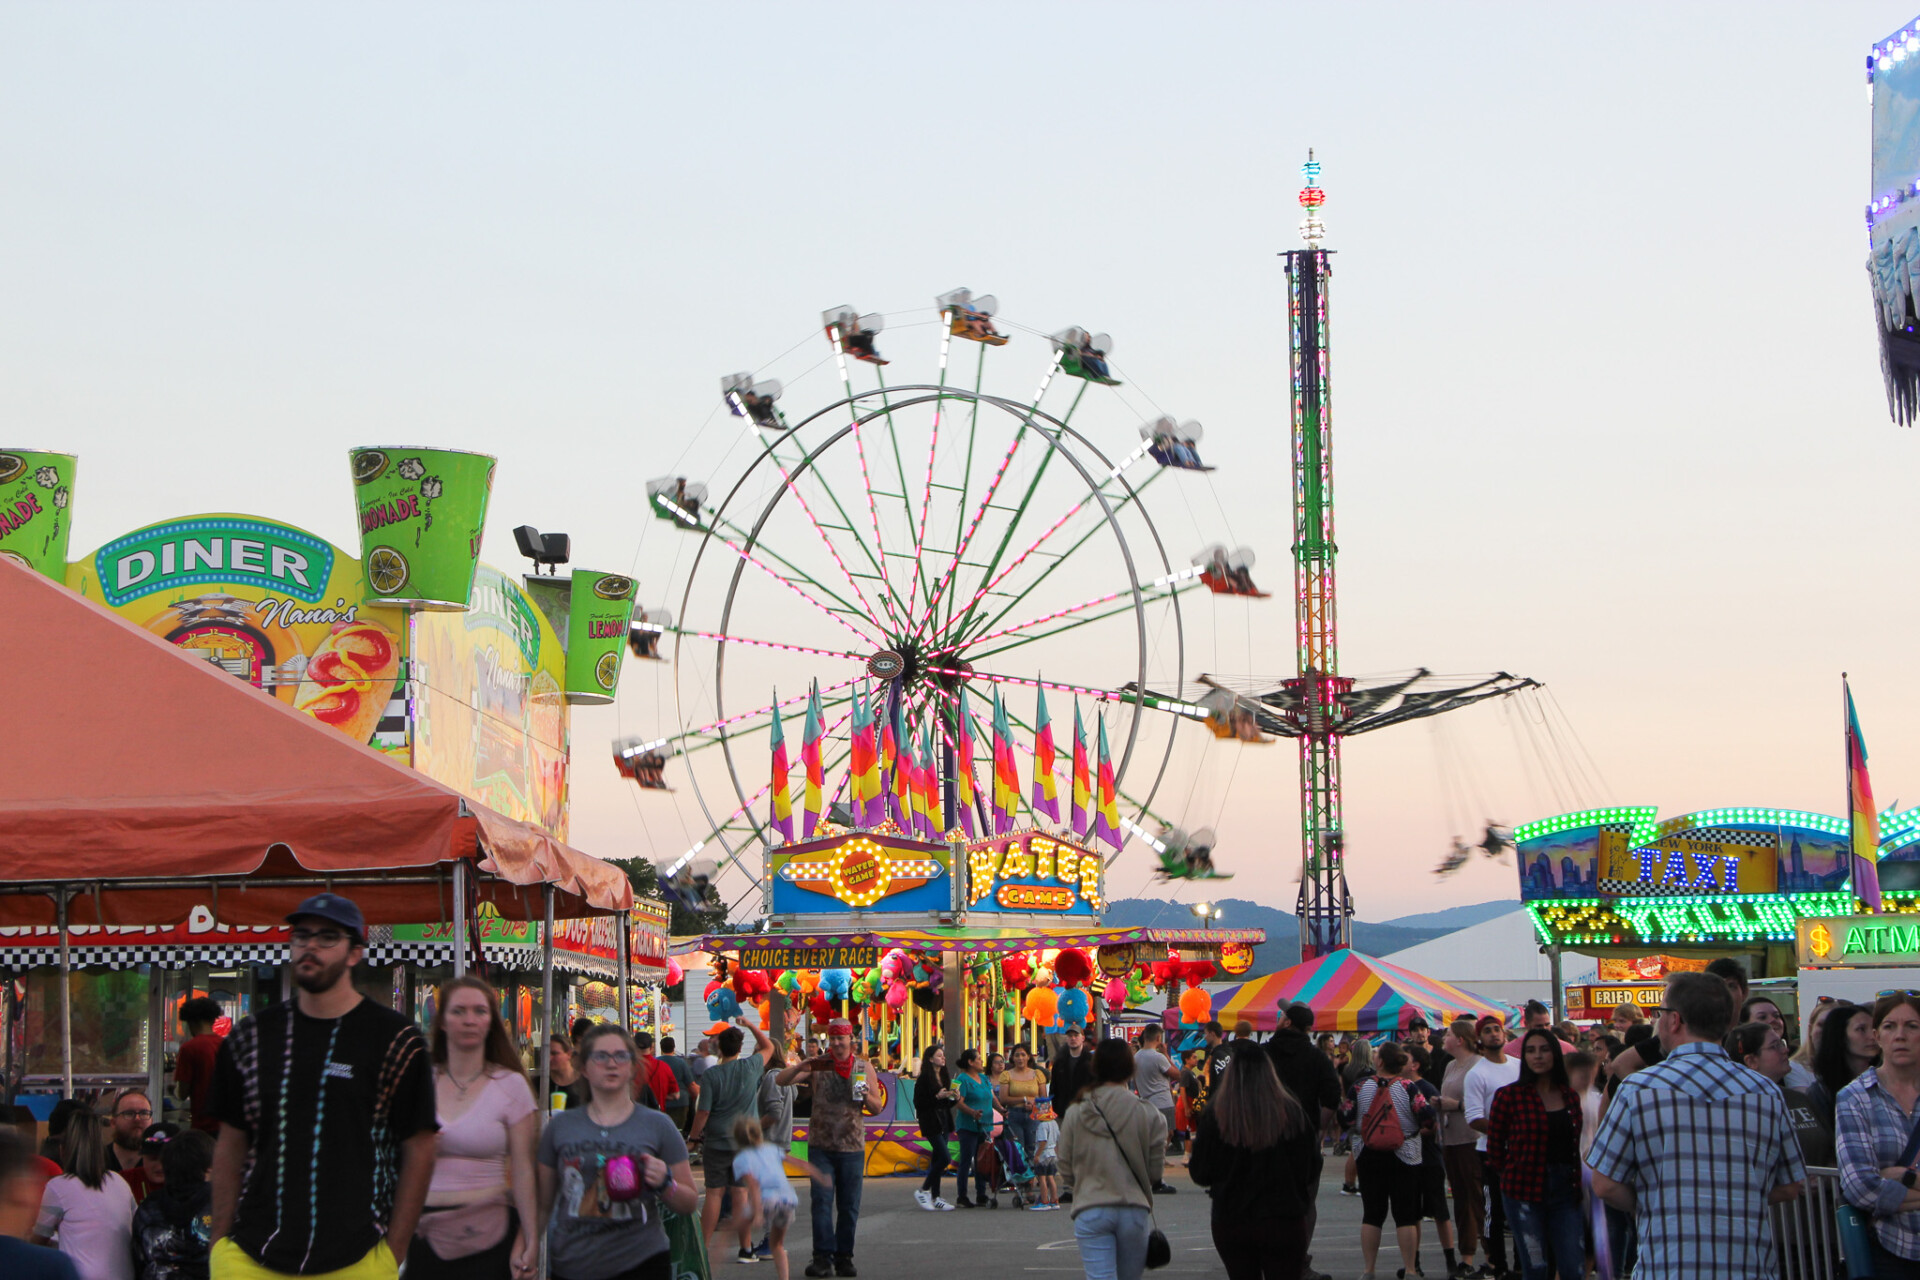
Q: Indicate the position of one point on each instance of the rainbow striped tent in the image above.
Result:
(1348, 992)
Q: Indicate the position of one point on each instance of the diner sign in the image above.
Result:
(809, 957)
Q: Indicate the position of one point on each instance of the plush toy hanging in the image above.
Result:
(789, 982)
(1198, 971)
(836, 983)
(1041, 1006)
(1196, 1007)
(1072, 967)
(809, 981)
(722, 1004)
(1074, 1009)
(1116, 994)
(1016, 971)
(1139, 991)
(675, 973)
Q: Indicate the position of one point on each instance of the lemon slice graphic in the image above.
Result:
(386, 570)
(607, 670)
(369, 465)
(613, 587)
(11, 465)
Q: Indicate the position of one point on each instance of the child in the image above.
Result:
(1046, 1154)
(1581, 1069)
(172, 1226)
(758, 1167)
(20, 1183)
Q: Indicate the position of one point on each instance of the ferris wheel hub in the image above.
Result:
(886, 665)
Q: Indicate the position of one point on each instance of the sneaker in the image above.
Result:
(1348, 1189)
(923, 1198)
(942, 1205)
(844, 1267)
(1163, 1189)
(963, 1202)
(745, 1255)
(820, 1266)
(764, 1249)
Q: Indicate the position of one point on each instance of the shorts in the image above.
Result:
(1045, 1168)
(1433, 1191)
(778, 1215)
(229, 1261)
(1386, 1182)
(716, 1171)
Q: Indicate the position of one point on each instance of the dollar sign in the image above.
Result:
(1821, 940)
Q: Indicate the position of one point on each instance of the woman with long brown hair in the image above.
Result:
(88, 1210)
(480, 1220)
(1253, 1150)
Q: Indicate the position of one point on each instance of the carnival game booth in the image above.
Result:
(1641, 893)
(142, 788)
(1348, 991)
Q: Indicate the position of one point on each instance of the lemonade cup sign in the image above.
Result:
(599, 610)
(36, 493)
(421, 514)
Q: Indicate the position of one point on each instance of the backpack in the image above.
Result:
(1381, 1128)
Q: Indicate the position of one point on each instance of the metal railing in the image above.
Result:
(1804, 1231)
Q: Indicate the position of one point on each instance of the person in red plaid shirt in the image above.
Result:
(1533, 1140)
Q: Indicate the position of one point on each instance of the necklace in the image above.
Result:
(468, 1084)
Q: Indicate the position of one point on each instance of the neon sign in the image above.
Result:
(1033, 871)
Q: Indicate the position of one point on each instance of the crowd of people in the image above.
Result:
(330, 1136)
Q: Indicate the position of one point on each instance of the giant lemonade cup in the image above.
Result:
(421, 512)
(599, 611)
(36, 495)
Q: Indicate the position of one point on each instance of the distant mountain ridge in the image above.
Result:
(1283, 928)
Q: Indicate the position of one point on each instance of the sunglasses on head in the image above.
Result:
(1895, 991)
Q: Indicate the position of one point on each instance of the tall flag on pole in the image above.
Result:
(963, 767)
(780, 801)
(1082, 810)
(816, 786)
(1106, 818)
(1865, 824)
(864, 766)
(1046, 792)
(1006, 776)
(926, 794)
(900, 779)
(889, 760)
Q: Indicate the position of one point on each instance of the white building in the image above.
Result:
(1499, 959)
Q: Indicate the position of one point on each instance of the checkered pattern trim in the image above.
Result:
(128, 955)
(440, 953)
(1729, 835)
(1619, 888)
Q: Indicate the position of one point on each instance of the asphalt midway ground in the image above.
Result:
(899, 1239)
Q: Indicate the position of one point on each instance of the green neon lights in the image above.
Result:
(1756, 817)
(1655, 921)
(1636, 815)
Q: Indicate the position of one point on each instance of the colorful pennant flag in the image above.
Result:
(963, 768)
(1865, 824)
(926, 792)
(900, 779)
(1046, 793)
(1082, 805)
(1106, 818)
(780, 800)
(816, 785)
(1006, 776)
(862, 765)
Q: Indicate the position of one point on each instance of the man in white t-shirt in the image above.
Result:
(1494, 1072)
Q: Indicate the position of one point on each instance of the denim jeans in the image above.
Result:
(1113, 1241)
(938, 1156)
(1022, 1125)
(970, 1144)
(831, 1238)
(1547, 1234)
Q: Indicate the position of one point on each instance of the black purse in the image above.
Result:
(1159, 1251)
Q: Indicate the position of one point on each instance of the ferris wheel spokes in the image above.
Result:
(1161, 588)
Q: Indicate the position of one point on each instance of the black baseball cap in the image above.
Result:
(334, 909)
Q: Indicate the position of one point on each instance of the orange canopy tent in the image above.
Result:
(143, 782)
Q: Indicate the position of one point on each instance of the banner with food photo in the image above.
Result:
(490, 707)
(276, 606)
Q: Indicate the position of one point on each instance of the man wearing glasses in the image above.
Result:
(327, 1127)
(1697, 1147)
(130, 1116)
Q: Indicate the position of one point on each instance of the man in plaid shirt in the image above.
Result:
(1697, 1147)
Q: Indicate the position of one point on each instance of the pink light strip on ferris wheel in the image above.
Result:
(786, 476)
(1178, 575)
(926, 490)
(764, 644)
(866, 481)
(1105, 695)
(748, 556)
(657, 743)
(1077, 507)
(752, 800)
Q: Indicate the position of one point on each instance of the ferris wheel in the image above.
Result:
(979, 527)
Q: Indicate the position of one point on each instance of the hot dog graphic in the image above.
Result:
(350, 678)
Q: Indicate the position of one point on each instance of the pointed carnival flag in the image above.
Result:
(1046, 792)
(889, 761)
(963, 768)
(1865, 823)
(1006, 775)
(780, 801)
(1082, 810)
(900, 795)
(1106, 817)
(815, 802)
(926, 797)
(861, 757)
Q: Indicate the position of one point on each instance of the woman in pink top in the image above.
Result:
(479, 1221)
(88, 1210)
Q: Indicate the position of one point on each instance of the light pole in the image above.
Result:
(1206, 913)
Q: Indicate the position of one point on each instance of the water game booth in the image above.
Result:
(974, 942)
(217, 716)
(1771, 888)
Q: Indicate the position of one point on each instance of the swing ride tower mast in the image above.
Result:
(1325, 907)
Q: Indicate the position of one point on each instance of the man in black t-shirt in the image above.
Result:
(326, 1108)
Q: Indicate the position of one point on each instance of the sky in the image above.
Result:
(1606, 397)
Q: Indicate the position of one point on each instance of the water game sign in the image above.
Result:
(1034, 872)
(1862, 941)
(855, 871)
(809, 957)
(276, 606)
